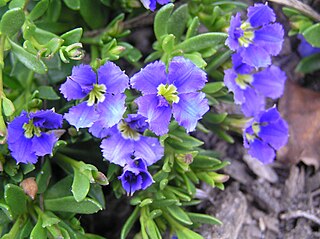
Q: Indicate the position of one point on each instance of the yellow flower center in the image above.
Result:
(127, 132)
(97, 94)
(248, 34)
(30, 130)
(244, 80)
(169, 92)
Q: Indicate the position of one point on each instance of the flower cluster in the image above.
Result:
(102, 105)
(252, 78)
(26, 136)
(151, 4)
(258, 38)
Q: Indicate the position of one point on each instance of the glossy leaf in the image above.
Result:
(47, 93)
(12, 21)
(80, 185)
(203, 218)
(72, 36)
(69, 204)
(8, 107)
(43, 177)
(309, 64)
(15, 199)
(29, 60)
(177, 22)
(312, 35)
(129, 223)
(73, 4)
(38, 232)
(39, 9)
(179, 214)
(161, 19)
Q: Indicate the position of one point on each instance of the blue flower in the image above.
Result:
(27, 141)
(135, 176)
(103, 96)
(151, 4)
(305, 48)
(258, 38)
(175, 92)
(265, 134)
(124, 141)
(250, 87)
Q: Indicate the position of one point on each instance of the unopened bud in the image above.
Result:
(100, 178)
(30, 187)
(219, 178)
(73, 52)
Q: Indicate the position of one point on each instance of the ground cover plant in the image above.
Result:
(108, 101)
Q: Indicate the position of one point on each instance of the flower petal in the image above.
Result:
(98, 131)
(239, 66)
(47, 119)
(111, 110)
(275, 130)
(117, 150)
(230, 81)
(80, 83)
(44, 144)
(15, 128)
(262, 151)
(149, 78)
(234, 32)
(130, 181)
(260, 14)
(81, 116)
(185, 75)
(254, 103)
(113, 78)
(149, 149)
(21, 150)
(270, 82)
(158, 113)
(190, 108)
(270, 37)
(255, 56)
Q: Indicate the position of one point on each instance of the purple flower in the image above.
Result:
(265, 134)
(305, 48)
(27, 141)
(175, 92)
(151, 4)
(103, 94)
(135, 176)
(250, 88)
(124, 141)
(258, 38)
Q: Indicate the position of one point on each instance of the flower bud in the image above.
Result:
(30, 187)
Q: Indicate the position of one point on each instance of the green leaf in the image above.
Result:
(17, 4)
(152, 229)
(47, 93)
(6, 210)
(43, 177)
(186, 233)
(69, 204)
(204, 219)
(203, 161)
(312, 35)
(80, 185)
(309, 64)
(49, 219)
(177, 22)
(72, 36)
(15, 199)
(218, 60)
(38, 232)
(161, 19)
(26, 229)
(197, 59)
(212, 87)
(60, 189)
(8, 107)
(12, 21)
(202, 41)
(215, 118)
(179, 214)
(92, 12)
(73, 4)
(193, 28)
(39, 9)
(29, 60)
(129, 223)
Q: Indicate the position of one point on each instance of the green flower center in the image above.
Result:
(97, 94)
(243, 81)
(30, 130)
(169, 92)
(248, 34)
(256, 129)
(127, 132)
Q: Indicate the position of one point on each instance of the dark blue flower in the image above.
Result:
(258, 38)
(175, 92)
(124, 141)
(26, 138)
(265, 134)
(151, 4)
(305, 48)
(250, 87)
(102, 92)
(135, 176)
